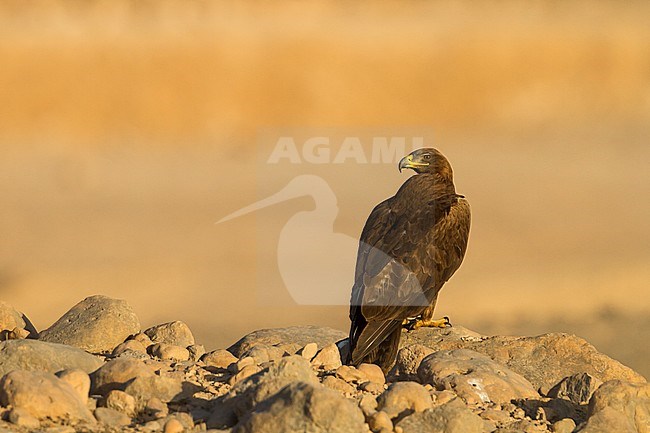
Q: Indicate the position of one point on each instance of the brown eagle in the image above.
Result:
(410, 246)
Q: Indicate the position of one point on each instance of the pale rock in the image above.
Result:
(97, 324)
(111, 417)
(129, 345)
(35, 355)
(620, 407)
(43, 395)
(155, 408)
(143, 339)
(78, 379)
(242, 363)
(173, 425)
(577, 388)
(245, 372)
(372, 387)
(246, 394)
(443, 397)
(309, 351)
(219, 358)
(448, 418)
(380, 422)
(351, 374)
(121, 402)
(262, 353)
(404, 398)
(566, 425)
(117, 374)
(144, 388)
(409, 359)
(368, 405)
(337, 384)
(474, 377)
(23, 418)
(373, 373)
(175, 333)
(285, 412)
(196, 351)
(13, 320)
(299, 335)
(169, 352)
(328, 358)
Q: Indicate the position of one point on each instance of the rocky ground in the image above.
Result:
(95, 370)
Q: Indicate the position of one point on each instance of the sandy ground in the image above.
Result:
(128, 129)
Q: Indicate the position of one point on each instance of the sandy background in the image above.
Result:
(128, 128)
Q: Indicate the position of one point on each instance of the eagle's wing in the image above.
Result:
(392, 271)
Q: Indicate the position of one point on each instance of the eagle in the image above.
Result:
(410, 246)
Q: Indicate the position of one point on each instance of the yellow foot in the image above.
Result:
(416, 322)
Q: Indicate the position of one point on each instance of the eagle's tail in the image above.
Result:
(377, 344)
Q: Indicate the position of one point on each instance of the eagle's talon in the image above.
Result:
(418, 322)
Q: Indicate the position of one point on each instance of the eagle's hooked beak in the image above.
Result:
(409, 162)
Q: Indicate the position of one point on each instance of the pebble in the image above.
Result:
(373, 373)
(372, 387)
(309, 351)
(169, 352)
(22, 417)
(173, 426)
(196, 351)
(329, 358)
(130, 345)
(380, 422)
(219, 358)
(121, 402)
(403, 398)
(176, 333)
(566, 425)
(368, 405)
(337, 384)
(79, 380)
(351, 374)
(111, 417)
(245, 372)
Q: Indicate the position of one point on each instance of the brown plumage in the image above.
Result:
(411, 245)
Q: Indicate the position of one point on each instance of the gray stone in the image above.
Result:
(304, 407)
(97, 324)
(43, 395)
(544, 360)
(474, 377)
(111, 417)
(246, 394)
(117, 374)
(164, 388)
(34, 355)
(220, 358)
(448, 418)
(176, 333)
(620, 407)
(300, 335)
(12, 319)
(404, 398)
(578, 388)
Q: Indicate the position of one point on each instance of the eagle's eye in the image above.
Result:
(426, 156)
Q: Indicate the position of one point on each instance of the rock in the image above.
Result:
(78, 380)
(380, 422)
(404, 398)
(111, 417)
(329, 358)
(117, 374)
(351, 374)
(409, 359)
(129, 345)
(173, 426)
(578, 388)
(620, 407)
(300, 335)
(220, 358)
(23, 418)
(373, 373)
(43, 395)
(544, 360)
(474, 377)
(34, 355)
(372, 387)
(13, 320)
(262, 353)
(97, 324)
(309, 351)
(121, 402)
(169, 352)
(337, 384)
(444, 396)
(368, 405)
(286, 412)
(245, 372)
(448, 418)
(142, 338)
(175, 333)
(164, 388)
(196, 351)
(252, 390)
(155, 408)
(566, 425)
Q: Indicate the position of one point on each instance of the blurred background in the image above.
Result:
(127, 128)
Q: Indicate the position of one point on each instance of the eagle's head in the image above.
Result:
(427, 160)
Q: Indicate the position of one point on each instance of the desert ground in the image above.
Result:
(127, 129)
